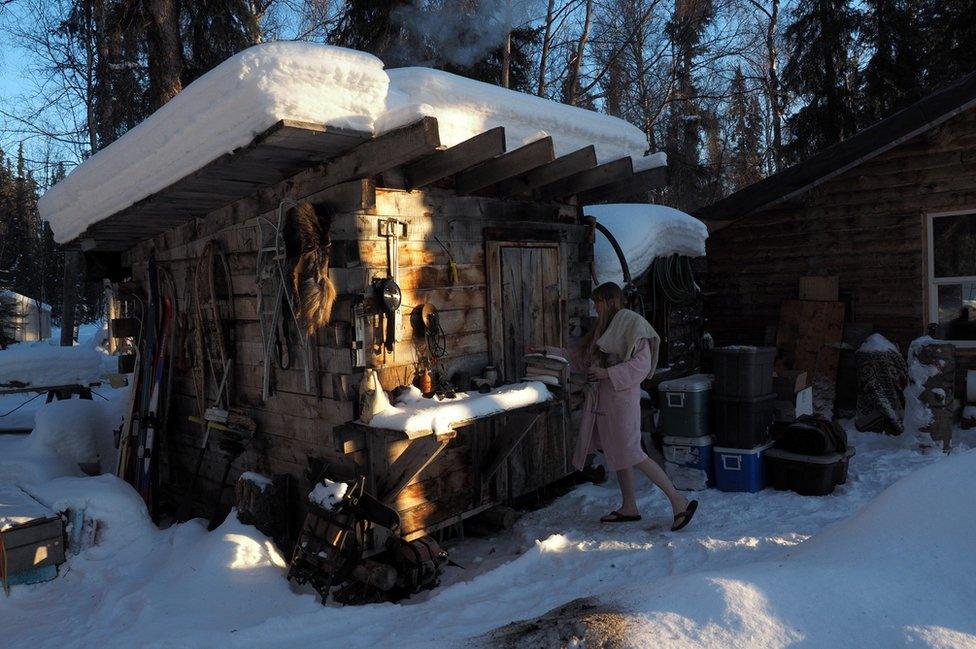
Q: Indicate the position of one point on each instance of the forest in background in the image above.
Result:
(731, 90)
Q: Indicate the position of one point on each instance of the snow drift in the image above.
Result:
(321, 84)
(643, 232)
(898, 573)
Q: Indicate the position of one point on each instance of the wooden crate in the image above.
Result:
(32, 535)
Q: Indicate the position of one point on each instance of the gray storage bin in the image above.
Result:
(685, 405)
(742, 371)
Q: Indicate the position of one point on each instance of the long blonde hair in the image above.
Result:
(613, 296)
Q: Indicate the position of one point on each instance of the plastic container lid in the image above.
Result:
(704, 440)
(744, 349)
(830, 458)
(744, 451)
(693, 383)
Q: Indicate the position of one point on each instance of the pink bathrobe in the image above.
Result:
(611, 413)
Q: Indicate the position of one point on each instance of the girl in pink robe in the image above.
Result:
(610, 419)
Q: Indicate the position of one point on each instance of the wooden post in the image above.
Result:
(72, 269)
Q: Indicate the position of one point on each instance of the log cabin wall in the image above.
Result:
(293, 424)
(867, 226)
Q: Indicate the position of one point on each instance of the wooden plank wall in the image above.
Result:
(865, 226)
(293, 424)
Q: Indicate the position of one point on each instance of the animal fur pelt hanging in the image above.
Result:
(307, 248)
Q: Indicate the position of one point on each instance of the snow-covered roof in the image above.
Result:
(643, 232)
(231, 105)
(24, 300)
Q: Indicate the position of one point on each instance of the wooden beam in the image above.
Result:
(640, 182)
(392, 149)
(598, 176)
(459, 157)
(567, 165)
(507, 442)
(513, 163)
(414, 459)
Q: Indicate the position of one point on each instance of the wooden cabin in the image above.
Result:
(890, 212)
(31, 319)
(493, 238)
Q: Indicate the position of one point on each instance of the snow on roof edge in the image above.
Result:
(644, 232)
(248, 93)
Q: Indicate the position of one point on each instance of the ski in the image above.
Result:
(152, 421)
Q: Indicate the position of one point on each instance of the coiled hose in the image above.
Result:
(674, 279)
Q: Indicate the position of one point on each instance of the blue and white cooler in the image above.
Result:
(688, 461)
(741, 469)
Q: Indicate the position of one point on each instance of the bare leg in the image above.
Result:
(625, 479)
(657, 475)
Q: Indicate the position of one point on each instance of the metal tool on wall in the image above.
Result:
(393, 230)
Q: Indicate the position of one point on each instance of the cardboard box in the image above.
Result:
(819, 289)
(790, 409)
(788, 382)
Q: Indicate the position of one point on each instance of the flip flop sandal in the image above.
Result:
(617, 517)
(684, 516)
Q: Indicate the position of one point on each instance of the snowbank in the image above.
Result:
(419, 416)
(248, 93)
(898, 573)
(643, 233)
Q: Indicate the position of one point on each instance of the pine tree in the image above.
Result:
(745, 166)
(683, 142)
(892, 77)
(821, 72)
(216, 30)
(371, 26)
(950, 32)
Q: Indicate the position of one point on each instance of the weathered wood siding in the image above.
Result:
(293, 424)
(866, 226)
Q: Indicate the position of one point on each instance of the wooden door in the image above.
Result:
(526, 302)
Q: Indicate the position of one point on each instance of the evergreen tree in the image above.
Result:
(216, 30)
(683, 141)
(8, 312)
(745, 166)
(892, 77)
(822, 72)
(950, 31)
(371, 26)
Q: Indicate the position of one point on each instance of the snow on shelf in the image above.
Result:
(643, 232)
(417, 416)
(45, 365)
(248, 93)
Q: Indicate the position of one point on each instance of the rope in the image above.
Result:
(674, 278)
(10, 412)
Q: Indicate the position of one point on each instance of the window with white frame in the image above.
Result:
(952, 274)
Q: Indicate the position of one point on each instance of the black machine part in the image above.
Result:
(631, 293)
(388, 297)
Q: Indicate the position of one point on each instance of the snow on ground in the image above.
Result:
(320, 84)
(884, 567)
(643, 232)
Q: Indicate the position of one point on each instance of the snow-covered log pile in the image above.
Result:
(643, 232)
(328, 86)
(929, 394)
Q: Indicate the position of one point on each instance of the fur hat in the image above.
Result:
(307, 248)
